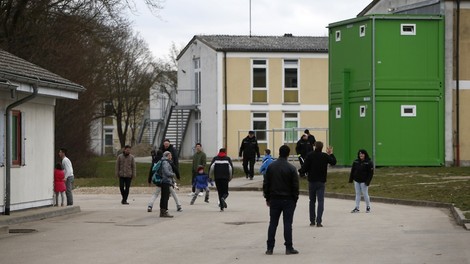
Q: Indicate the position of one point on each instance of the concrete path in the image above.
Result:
(107, 232)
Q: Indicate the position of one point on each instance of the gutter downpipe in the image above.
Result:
(373, 95)
(457, 88)
(8, 144)
(225, 101)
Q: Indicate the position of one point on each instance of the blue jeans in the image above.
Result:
(361, 187)
(287, 208)
(316, 191)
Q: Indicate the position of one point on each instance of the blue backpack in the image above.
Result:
(157, 173)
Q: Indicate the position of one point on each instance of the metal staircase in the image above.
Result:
(177, 124)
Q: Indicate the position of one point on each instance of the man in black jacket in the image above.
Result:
(281, 191)
(167, 146)
(222, 169)
(316, 166)
(249, 150)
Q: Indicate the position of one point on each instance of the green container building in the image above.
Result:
(386, 89)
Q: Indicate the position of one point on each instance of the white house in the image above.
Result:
(28, 95)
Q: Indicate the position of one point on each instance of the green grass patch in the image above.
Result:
(103, 174)
(438, 184)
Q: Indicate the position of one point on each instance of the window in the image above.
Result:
(338, 112)
(362, 31)
(291, 77)
(260, 125)
(197, 80)
(408, 29)
(198, 130)
(291, 121)
(108, 113)
(338, 35)
(259, 81)
(108, 137)
(362, 111)
(16, 137)
(408, 110)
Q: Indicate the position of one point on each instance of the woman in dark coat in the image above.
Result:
(362, 172)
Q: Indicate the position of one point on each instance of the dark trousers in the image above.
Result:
(249, 171)
(69, 188)
(124, 185)
(287, 208)
(316, 191)
(165, 195)
(193, 189)
(222, 189)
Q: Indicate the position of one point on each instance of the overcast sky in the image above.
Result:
(180, 20)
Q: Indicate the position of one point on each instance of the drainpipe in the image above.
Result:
(457, 88)
(8, 144)
(225, 101)
(374, 143)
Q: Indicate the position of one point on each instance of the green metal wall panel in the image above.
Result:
(375, 65)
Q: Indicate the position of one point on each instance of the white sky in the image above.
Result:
(180, 20)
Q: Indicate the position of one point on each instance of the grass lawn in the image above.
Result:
(439, 184)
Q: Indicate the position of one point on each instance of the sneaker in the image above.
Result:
(319, 225)
(269, 252)
(179, 208)
(149, 209)
(291, 251)
(312, 224)
(224, 204)
(201, 194)
(355, 210)
(191, 194)
(206, 200)
(368, 209)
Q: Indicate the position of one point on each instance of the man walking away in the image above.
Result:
(316, 166)
(281, 191)
(222, 170)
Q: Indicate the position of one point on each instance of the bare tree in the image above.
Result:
(130, 74)
(73, 38)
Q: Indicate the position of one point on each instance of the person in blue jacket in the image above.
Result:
(201, 184)
(267, 159)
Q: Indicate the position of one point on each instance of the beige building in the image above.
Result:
(277, 86)
(457, 63)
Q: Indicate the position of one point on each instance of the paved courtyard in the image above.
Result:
(107, 232)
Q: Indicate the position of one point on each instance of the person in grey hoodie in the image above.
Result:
(168, 180)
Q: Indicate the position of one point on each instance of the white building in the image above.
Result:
(28, 94)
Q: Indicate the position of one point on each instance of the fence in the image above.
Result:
(276, 137)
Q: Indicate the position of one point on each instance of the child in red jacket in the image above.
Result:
(59, 184)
